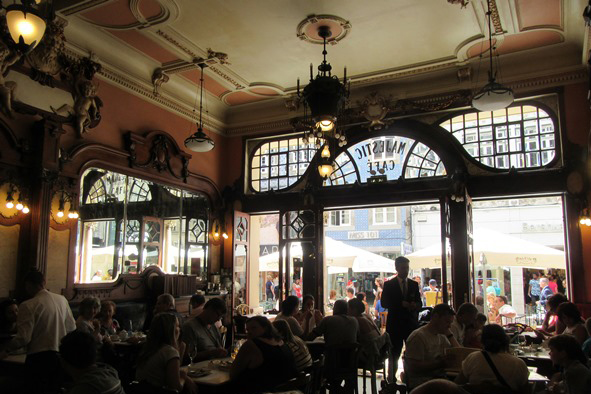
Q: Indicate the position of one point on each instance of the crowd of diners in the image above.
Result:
(76, 355)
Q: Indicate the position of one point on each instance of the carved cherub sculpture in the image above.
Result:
(7, 58)
(86, 108)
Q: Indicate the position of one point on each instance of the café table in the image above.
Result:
(539, 359)
(214, 379)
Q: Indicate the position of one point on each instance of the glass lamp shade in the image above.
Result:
(325, 124)
(199, 142)
(25, 27)
(325, 169)
(492, 97)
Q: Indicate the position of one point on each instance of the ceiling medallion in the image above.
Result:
(307, 29)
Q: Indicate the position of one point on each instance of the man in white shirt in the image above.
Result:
(466, 316)
(501, 312)
(424, 357)
(42, 322)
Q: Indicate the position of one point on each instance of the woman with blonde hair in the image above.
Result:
(298, 347)
(159, 362)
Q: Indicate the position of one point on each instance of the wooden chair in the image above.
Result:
(302, 382)
(316, 370)
(373, 356)
(341, 365)
(383, 318)
(144, 387)
(433, 298)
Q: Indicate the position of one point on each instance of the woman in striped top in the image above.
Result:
(298, 347)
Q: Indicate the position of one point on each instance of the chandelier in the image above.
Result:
(200, 142)
(493, 95)
(27, 22)
(324, 100)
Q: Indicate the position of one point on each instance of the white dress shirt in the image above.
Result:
(42, 322)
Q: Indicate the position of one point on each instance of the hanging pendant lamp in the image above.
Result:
(493, 95)
(200, 142)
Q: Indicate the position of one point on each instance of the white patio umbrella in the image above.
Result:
(500, 250)
(339, 257)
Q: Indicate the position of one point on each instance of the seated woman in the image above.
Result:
(477, 368)
(87, 322)
(566, 353)
(301, 355)
(8, 316)
(569, 315)
(108, 325)
(159, 362)
(551, 325)
(264, 360)
(367, 328)
(473, 334)
(308, 316)
(289, 309)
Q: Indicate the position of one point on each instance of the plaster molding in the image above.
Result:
(81, 7)
(169, 13)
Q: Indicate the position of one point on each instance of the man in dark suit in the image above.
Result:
(402, 298)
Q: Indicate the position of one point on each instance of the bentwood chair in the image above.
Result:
(372, 357)
(302, 382)
(340, 364)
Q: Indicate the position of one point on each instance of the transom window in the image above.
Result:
(279, 164)
(521, 136)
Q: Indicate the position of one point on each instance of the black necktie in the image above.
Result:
(403, 287)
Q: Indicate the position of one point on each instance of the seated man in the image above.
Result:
(200, 332)
(501, 309)
(165, 304)
(197, 302)
(425, 348)
(464, 318)
(78, 355)
(338, 328)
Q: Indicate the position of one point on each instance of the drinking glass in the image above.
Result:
(192, 353)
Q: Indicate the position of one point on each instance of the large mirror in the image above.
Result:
(127, 224)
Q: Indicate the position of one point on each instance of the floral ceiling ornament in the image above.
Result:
(463, 3)
(375, 108)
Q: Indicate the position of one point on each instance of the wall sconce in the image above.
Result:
(585, 219)
(66, 197)
(218, 230)
(20, 204)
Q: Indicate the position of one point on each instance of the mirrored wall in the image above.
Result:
(127, 224)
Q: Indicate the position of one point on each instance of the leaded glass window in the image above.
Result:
(197, 230)
(278, 164)
(522, 136)
(423, 162)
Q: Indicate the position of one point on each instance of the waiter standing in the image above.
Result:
(402, 299)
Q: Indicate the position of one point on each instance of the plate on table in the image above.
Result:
(197, 373)
(223, 365)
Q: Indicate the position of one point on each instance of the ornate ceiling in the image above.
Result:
(411, 48)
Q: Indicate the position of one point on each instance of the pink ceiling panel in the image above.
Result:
(238, 98)
(144, 44)
(116, 13)
(211, 85)
(150, 8)
(529, 40)
(264, 91)
(476, 49)
(533, 13)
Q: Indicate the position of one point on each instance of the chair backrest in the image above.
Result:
(383, 319)
(457, 356)
(316, 370)
(239, 323)
(341, 361)
(242, 309)
(144, 387)
(301, 382)
(433, 298)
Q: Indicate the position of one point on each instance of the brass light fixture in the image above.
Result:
(27, 22)
(325, 97)
(21, 203)
(200, 142)
(65, 197)
(493, 95)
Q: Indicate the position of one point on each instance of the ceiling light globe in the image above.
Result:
(325, 170)
(493, 97)
(199, 142)
(60, 214)
(325, 125)
(225, 235)
(25, 27)
(19, 206)
(26, 210)
(9, 205)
